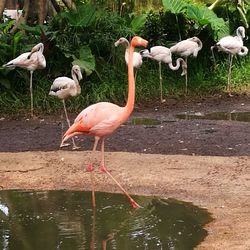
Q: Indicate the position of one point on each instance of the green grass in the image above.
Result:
(202, 82)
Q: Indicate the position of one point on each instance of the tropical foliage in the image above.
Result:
(84, 33)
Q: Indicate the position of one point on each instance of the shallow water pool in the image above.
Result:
(51, 220)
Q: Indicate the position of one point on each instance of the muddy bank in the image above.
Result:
(220, 184)
(205, 162)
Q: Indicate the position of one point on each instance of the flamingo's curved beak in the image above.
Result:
(138, 41)
(74, 129)
(117, 43)
(144, 43)
(32, 51)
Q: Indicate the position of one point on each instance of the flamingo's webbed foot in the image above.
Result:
(133, 203)
(64, 145)
(90, 167)
(103, 169)
(75, 147)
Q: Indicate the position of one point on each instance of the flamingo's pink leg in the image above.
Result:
(103, 168)
(90, 169)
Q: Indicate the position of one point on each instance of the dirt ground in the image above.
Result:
(205, 162)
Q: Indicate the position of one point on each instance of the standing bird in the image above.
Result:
(186, 48)
(232, 45)
(31, 61)
(103, 118)
(65, 87)
(163, 54)
(137, 57)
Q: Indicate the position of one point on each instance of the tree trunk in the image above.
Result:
(2, 6)
(11, 4)
(26, 9)
(42, 10)
(51, 9)
(24, 17)
(56, 5)
(69, 4)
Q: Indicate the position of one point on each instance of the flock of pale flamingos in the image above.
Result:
(102, 118)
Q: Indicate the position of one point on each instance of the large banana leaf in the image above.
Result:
(83, 16)
(86, 60)
(222, 31)
(138, 22)
(203, 16)
(174, 6)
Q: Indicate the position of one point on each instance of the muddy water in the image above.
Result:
(226, 116)
(65, 220)
(145, 121)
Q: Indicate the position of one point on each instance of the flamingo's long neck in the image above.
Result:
(200, 45)
(78, 88)
(177, 66)
(127, 46)
(239, 34)
(41, 48)
(74, 77)
(131, 85)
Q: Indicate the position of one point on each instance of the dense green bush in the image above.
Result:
(86, 36)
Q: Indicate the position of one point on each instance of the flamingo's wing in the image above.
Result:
(36, 61)
(61, 87)
(100, 116)
(62, 82)
(159, 50)
(18, 61)
(230, 42)
(41, 61)
(137, 60)
(161, 54)
(105, 127)
(178, 48)
(158, 53)
(185, 48)
(26, 61)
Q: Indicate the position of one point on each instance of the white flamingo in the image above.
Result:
(30, 61)
(232, 45)
(137, 57)
(163, 54)
(65, 87)
(186, 48)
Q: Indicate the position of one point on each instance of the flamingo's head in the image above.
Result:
(122, 40)
(138, 41)
(241, 31)
(194, 39)
(39, 47)
(77, 71)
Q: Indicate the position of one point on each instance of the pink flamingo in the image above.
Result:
(103, 118)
